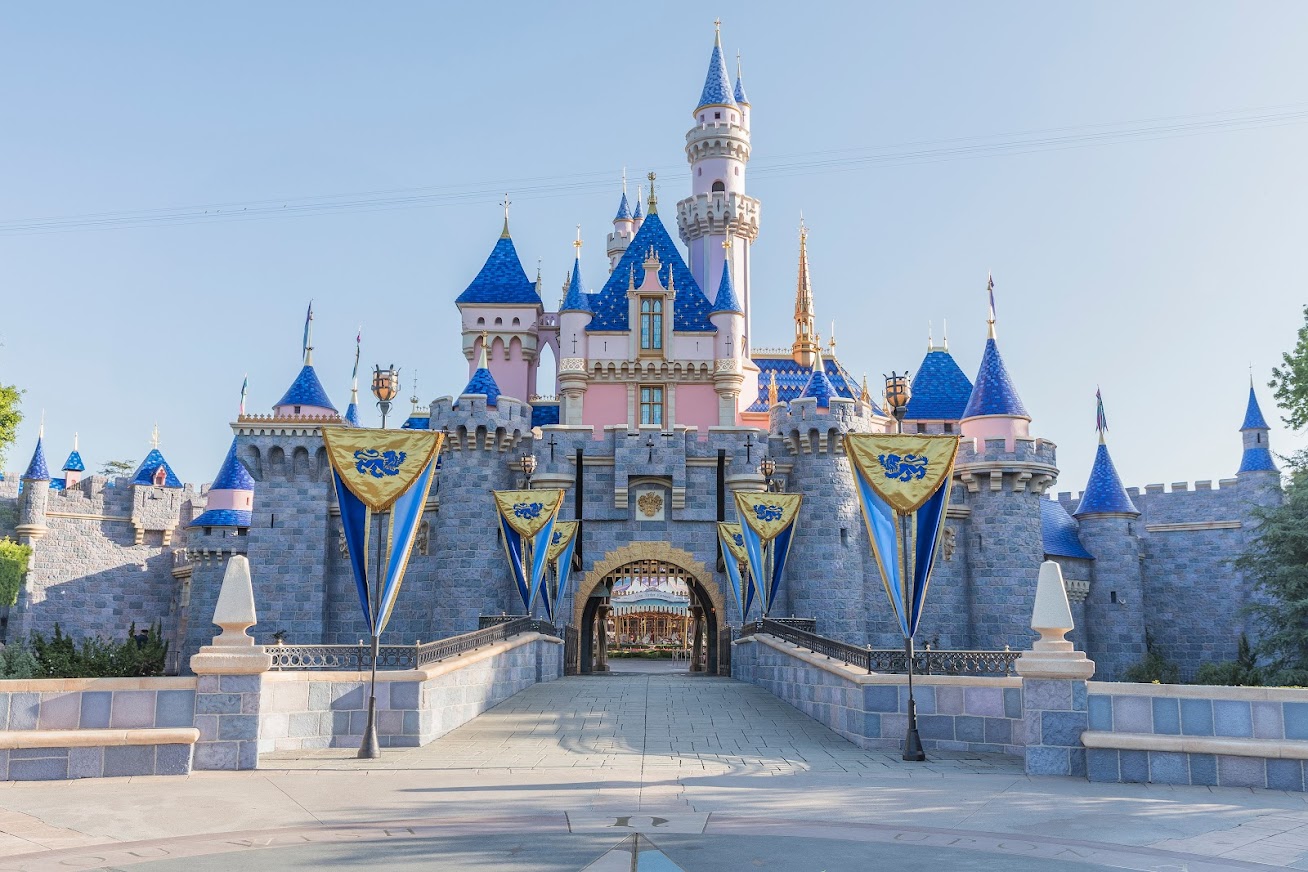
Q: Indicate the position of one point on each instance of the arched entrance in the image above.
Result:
(649, 560)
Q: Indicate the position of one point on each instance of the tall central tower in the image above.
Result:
(717, 148)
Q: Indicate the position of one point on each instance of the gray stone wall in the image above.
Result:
(1116, 605)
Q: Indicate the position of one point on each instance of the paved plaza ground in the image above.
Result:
(647, 770)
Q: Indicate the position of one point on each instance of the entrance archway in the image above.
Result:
(648, 559)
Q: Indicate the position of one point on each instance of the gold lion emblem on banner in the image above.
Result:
(650, 504)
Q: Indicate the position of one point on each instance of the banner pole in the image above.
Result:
(913, 752)
(368, 747)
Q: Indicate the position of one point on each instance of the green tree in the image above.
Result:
(1276, 563)
(1290, 381)
(10, 418)
(14, 558)
(114, 468)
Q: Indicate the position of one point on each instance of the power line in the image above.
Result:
(765, 167)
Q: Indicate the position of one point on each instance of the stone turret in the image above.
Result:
(624, 228)
(36, 496)
(574, 315)
(728, 374)
(73, 466)
(1108, 520)
(1256, 462)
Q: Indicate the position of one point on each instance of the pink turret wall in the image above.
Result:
(230, 499)
(697, 406)
(604, 404)
(996, 427)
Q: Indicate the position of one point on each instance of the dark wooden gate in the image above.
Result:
(571, 650)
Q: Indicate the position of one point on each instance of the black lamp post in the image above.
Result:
(898, 393)
(385, 387)
(527, 463)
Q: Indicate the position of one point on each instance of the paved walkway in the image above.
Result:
(711, 774)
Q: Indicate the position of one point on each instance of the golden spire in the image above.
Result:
(653, 208)
(154, 436)
(772, 388)
(506, 203)
(717, 31)
(805, 344)
(865, 396)
(484, 362)
(577, 242)
(831, 343)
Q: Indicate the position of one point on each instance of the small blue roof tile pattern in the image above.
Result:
(1059, 531)
(740, 92)
(691, 308)
(38, 469)
(417, 422)
(57, 484)
(1253, 416)
(222, 518)
(726, 300)
(940, 389)
(306, 390)
(1104, 494)
(482, 382)
(576, 299)
(717, 84)
(544, 413)
(993, 393)
(145, 472)
(232, 475)
(74, 463)
(1257, 459)
(637, 215)
(792, 379)
(502, 279)
(352, 415)
(624, 211)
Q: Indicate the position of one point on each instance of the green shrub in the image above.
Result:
(1154, 668)
(97, 657)
(1243, 671)
(17, 662)
(13, 566)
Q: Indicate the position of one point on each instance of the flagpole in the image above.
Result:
(368, 747)
(898, 393)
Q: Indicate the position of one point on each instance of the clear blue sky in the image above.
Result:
(1133, 174)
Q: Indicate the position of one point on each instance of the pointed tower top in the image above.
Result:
(506, 203)
(726, 300)
(993, 392)
(38, 469)
(574, 298)
(819, 387)
(231, 496)
(772, 388)
(717, 85)
(154, 436)
(482, 382)
(990, 289)
(1104, 494)
(739, 93)
(74, 462)
(308, 336)
(640, 193)
(653, 199)
(805, 344)
(1253, 415)
(1101, 420)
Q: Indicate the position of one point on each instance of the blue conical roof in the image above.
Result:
(717, 85)
(740, 92)
(1253, 416)
(38, 469)
(993, 393)
(74, 463)
(482, 382)
(575, 300)
(1257, 458)
(940, 389)
(624, 211)
(1104, 493)
(145, 472)
(232, 475)
(306, 390)
(819, 387)
(502, 279)
(352, 415)
(611, 305)
(636, 215)
(726, 300)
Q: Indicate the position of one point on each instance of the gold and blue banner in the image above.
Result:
(734, 558)
(767, 528)
(903, 487)
(527, 527)
(563, 541)
(381, 471)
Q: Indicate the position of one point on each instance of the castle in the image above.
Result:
(662, 409)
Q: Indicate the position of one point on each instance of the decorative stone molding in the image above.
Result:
(1077, 589)
(662, 551)
(726, 364)
(572, 364)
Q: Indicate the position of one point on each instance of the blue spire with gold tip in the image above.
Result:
(352, 412)
(1253, 415)
(739, 92)
(502, 278)
(74, 462)
(231, 496)
(1257, 455)
(575, 300)
(482, 382)
(38, 469)
(726, 300)
(624, 210)
(1104, 494)
(717, 84)
(940, 388)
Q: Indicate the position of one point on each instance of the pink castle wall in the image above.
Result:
(604, 405)
(697, 406)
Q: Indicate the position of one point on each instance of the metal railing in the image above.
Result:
(892, 660)
(358, 658)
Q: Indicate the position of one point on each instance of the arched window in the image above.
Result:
(516, 322)
(651, 324)
(499, 322)
(718, 187)
(481, 321)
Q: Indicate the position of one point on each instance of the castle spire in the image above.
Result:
(653, 199)
(506, 203)
(308, 336)
(990, 289)
(819, 387)
(805, 344)
(739, 93)
(717, 84)
(1104, 494)
(1254, 433)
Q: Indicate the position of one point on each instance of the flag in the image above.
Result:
(990, 288)
(358, 348)
(245, 388)
(1101, 421)
(734, 558)
(563, 541)
(381, 471)
(903, 488)
(527, 527)
(767, 527)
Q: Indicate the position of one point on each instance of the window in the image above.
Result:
(481, 320)
(921, 428)
(499, 322)
(717, 116)
(651, 324)
(718, 187)
(651, 404)
(949, 428)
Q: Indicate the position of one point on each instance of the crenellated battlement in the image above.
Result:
(1030, 467)
(807, 429)
(474, 426)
